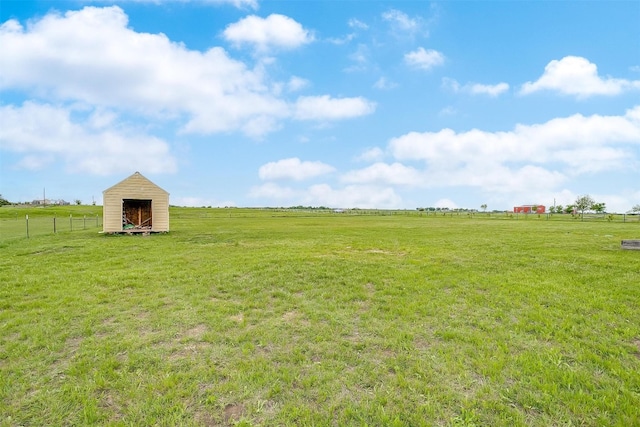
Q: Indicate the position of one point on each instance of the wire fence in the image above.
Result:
(35, 224)
(31, 226)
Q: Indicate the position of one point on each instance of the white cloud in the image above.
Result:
(446, 204)
(360, 196)
(44, 133)
(491, 90)
(272, 191)
(355, 23)
(92, 56)
(384, 84)
(275, 31)
(294, 169)
(547, 142)
(296, 83)
(574, 75)
(475, 88)
(328, 108)
(382, 173)
(401, 21)
(424, 59)
(371, 155)
(360, 57)
(531, 159)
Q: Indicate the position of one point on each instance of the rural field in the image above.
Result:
(272, 318)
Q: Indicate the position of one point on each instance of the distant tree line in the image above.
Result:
(309, 207)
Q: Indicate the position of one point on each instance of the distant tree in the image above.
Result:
(636, 210)
(584, 203)
(483, 207)
(569, 209)
(78, 202)
(599, 207)
(4, 201)
(559, 209)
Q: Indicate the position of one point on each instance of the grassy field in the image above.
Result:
(258, 317)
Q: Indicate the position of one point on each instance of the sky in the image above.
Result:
(345, 104)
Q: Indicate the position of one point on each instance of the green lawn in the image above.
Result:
(265, 317)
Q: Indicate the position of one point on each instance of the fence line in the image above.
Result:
(31, 226)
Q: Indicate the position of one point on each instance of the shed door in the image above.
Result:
(136, 214)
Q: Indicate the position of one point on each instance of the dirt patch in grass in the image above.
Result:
(194, 344)
(71, 347)
(196, 333)
(189, 350)
(238, 318)
(233, 412)
(206, 419)
(290, 315)
(108, 402)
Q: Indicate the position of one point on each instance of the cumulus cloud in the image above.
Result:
(446, 204)
(371, 154)
(293, 169)
(93, 57)
(547, 142)
(530, 159)
(491, 90)
(273, 191)
(351, 196)
(274, 31)
(45, 133)
(574, 75)
(424, 59)
(401, 20)
(296, 83)
(327, 108)
(475, 88)
(394, 174)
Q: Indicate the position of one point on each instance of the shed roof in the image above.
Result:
(135, 177)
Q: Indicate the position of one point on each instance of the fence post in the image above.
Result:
(84, 222)
(54, 224)
(97, 224)
(27, 219)
(71, 222)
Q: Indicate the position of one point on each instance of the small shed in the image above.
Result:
(135, 205)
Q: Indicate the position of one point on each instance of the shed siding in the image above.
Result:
(135, 187)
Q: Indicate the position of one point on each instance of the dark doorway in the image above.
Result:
(136, 214)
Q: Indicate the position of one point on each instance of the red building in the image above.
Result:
(527, 209)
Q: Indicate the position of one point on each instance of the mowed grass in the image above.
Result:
(251, 317)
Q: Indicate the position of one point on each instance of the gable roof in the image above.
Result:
(136, 177)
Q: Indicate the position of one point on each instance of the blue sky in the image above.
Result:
(370, 104)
